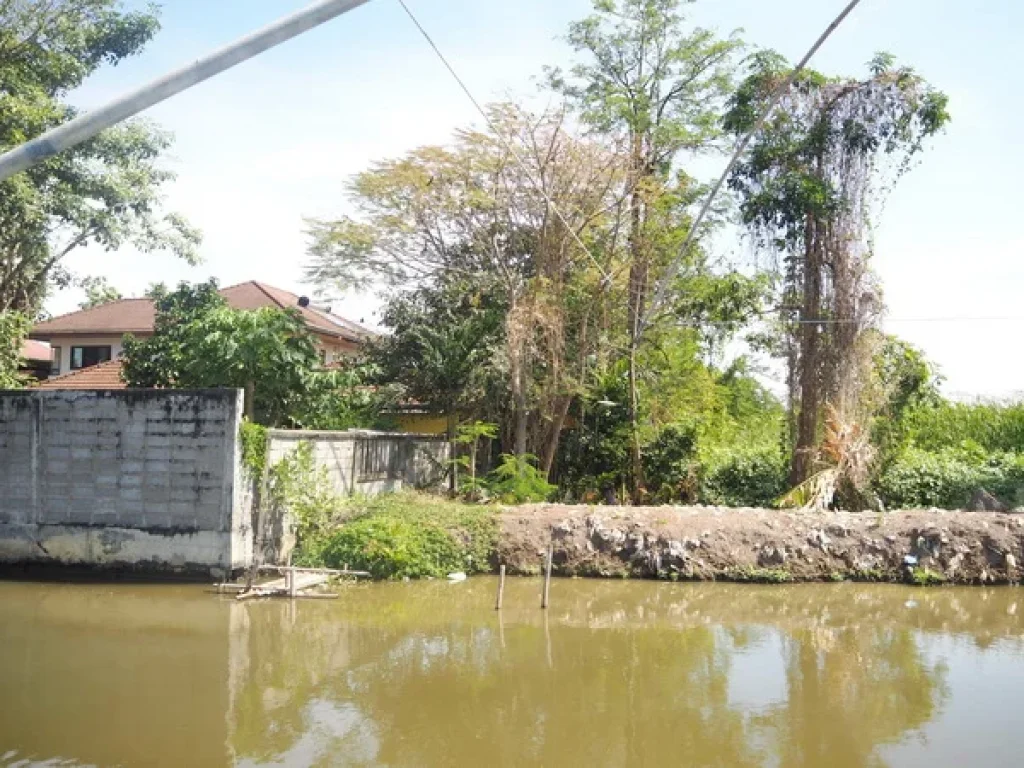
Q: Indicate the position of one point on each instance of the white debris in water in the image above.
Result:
(457, 576)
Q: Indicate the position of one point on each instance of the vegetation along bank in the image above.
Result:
(412, 536)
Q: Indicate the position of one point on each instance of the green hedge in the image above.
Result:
(744, 479)
(947, 478)
(411, 536)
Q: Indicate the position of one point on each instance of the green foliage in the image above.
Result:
(762, 575)
(516, 480)
(105, 191)
(254, 447)
(923, 577)
(906, 382)
(671, 465)
(198, 341)
(947, 478)
(344, 398)
(412, 536)
(442, 345)
(14, 328)
(992, 426)
(299, 485)
(740, 477)
(97, 292)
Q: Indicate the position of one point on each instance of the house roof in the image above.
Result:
(121, 316)
(36, 351)
(138, 315)
(102, 376)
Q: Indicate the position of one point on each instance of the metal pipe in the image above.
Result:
(88, 125)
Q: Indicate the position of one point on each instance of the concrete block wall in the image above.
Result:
(142, 478)
(399, 460)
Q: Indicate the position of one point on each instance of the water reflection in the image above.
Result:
(617, 673)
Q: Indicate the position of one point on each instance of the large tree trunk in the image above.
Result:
(810, 333)
(554, 433)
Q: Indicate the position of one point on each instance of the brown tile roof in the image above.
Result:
(138, 315)
(36, 351)
(103, 376)
(122, 316)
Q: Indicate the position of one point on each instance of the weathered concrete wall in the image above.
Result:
(141, 478)
(361, 461)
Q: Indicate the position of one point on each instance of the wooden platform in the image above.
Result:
(295, 583)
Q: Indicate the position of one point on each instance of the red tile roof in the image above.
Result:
(138, 315)
(103, 376)
(36, 351)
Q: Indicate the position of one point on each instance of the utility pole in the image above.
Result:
(88, 125)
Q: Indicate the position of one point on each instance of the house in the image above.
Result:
(90, 337)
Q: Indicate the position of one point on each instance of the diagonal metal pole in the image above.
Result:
(88, 125)
(663, 285)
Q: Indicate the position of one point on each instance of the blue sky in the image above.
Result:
(273, 140)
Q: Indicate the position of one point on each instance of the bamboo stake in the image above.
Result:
(501, 587)
(547, 575)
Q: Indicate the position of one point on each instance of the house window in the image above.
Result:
(83, 357)
(55, 361)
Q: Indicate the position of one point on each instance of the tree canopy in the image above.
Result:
(107, 191)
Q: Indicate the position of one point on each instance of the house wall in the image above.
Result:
(115, 342)
(141, 478)
(420, 460)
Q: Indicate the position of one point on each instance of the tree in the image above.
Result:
(472, 215)
(14, 328)
(97, 292)
(807, 187)
(198, 341)
(441, 349)
(659, 86)
(106, 191)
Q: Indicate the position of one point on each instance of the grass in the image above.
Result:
(408, 535)
(923, 577)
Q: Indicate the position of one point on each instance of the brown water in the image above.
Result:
(615, 674)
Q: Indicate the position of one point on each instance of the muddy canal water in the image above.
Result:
(429, 674)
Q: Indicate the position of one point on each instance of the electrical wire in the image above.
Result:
(508, 146)
(661, 289)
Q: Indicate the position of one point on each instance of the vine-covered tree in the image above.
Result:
(807, 188)
(106, 191)
(13, 330)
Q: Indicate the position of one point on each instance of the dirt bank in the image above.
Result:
(709, 543)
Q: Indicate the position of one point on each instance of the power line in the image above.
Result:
(508, 146)
(663, 284)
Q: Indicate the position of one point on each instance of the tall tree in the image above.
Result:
(659, 84)
(105, 192)
(480, 213)
(807, 188)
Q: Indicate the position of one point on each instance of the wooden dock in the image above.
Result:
(294, 583)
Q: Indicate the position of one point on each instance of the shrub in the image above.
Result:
(254, 447)
(947, 478)
(744, 478)
(297, 483)
(670, 465)
(517, 481)
(412, 535)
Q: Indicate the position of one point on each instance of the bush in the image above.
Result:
(412, 536)
(744, 479)
(994, 427)
(947, 478)
(517, 481)
(670, 465)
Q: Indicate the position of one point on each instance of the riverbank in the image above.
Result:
(776, 546)
(417, 536)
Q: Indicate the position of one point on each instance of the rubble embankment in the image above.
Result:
(712, 543)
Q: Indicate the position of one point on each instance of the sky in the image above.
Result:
(264, 145)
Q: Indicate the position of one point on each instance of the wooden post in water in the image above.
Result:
(501, 587)
(547, 574)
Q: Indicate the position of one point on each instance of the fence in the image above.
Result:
(360, 461)
(139, 478)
